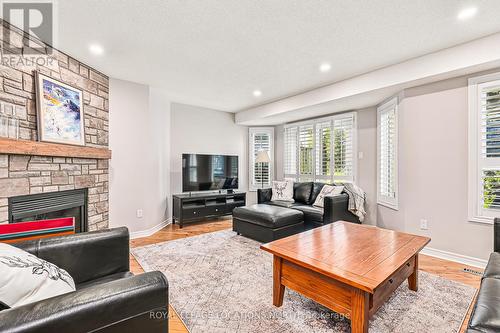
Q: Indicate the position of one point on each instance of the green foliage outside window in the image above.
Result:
(339, 152)
(491, 183)
(325, 148)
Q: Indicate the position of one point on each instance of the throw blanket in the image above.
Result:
(356, 200)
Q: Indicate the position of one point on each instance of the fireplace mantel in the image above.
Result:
(28, 147)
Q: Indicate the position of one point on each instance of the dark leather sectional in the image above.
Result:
(485, 317)
(108, 297)
(270, 220)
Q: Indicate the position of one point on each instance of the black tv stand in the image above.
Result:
(190, 207)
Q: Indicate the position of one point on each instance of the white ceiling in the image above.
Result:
(214, 53)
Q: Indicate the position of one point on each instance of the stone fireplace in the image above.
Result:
(28, 167)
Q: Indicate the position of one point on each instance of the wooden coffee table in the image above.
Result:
(351, 269)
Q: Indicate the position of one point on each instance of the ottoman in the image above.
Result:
(266, 223)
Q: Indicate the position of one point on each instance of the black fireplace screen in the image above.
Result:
(45, 206)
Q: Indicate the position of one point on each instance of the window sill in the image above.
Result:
(389, 205)
(481, 219)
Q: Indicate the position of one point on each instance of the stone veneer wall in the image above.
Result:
(20, 175)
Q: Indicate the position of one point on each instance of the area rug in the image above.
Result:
(221, 282)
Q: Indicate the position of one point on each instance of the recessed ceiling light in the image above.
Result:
(257, 93)
(325, 67)
(96, 49)
(467, 13)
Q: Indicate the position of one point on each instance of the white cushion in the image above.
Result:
(25, 278)
(327, 190)
(282, 191)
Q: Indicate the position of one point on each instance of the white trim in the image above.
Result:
(150, 231)
(322, 119)
(455, 257)
(474, 210)
(392, 203)
(251, 131)
(354, 147)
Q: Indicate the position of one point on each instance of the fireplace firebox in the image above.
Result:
(52, 205)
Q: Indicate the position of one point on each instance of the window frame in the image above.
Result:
(320, 178)
(251, 156)
(476, 163)
(383, 200)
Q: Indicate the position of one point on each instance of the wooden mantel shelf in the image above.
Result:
(27, 147)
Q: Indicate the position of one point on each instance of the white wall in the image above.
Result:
(139, 167)
(201, 130)
(367, 165)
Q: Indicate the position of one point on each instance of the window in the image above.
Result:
(324, 151)
(306, 152)
(321, 150)
(343, 152)
(290, 160)
(261, 174)
(484, 148)
(387, 154)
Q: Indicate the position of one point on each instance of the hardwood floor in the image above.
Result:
(443, 268)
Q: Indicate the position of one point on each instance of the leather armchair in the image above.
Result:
(108, 297)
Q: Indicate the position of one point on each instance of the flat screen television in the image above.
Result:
(202, 172)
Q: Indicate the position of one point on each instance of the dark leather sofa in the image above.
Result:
(108, 297)
(304, 194)
(485, 317)
(270, 220)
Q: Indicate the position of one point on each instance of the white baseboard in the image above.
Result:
(466, 260)
(150, 231)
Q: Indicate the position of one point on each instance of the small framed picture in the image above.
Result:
(59, 112)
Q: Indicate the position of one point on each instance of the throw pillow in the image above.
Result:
(25, 278)
(327, 190)
(282, 191)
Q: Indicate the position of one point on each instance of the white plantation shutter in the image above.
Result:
(343, 150)
(388, 153)
(260, 139)
(290, 147)
(387, 143)
(313, 153)
(486, 112)
(324, 150)
(490, 120)
(306, 152)
(261, 175)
